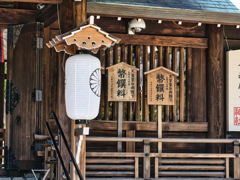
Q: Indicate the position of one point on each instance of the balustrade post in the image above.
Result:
(236, 160)
(146, 159)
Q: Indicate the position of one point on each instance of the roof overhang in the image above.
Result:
(163, 13)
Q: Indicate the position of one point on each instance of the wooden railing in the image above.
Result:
(147, 165)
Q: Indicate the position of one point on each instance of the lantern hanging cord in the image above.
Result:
(225, 37)
(59, 19)
(189, 28)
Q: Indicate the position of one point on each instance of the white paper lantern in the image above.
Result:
(83, 86)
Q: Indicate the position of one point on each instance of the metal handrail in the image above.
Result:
(67, 146)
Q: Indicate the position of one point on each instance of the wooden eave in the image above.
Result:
(163, 13)
(62, 42)
(123, 63)
(161, 68)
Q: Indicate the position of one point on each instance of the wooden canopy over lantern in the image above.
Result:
(87, 36)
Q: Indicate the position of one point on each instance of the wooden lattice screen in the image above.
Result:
(191, 83)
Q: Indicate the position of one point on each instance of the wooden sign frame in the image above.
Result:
(122, 83)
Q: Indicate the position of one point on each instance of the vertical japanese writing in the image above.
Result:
(160, 87)
(111, 86)
(121, 83)
(132, 84)
(170, 88)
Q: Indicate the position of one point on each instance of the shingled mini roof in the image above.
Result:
(87, 36)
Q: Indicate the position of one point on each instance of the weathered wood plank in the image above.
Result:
(109, 173)
(144, 103)
(106, 103)
(136, 167)
(167, 65)
(17, 16)
(110, 167)
(119, 125)
(195, 155)
(236, 160)
(189, 82)
(130, 146)
(129, 61)
(196, 85)
(109, 161)
(138, 102)
(152, 66)
(182, 86)
(149, 126)
(191, 161)
(156, 167)
(173, 173)
(190, 168)
(66, 24)
(146, 160)
(227, 168)
(115, 61)
(174, 68)
(215, 86)
(151, 40)
(114, 154)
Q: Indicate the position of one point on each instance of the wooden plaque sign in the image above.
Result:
(122, 82)
(160, 86)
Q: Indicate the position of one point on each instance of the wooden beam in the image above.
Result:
(149, 126)
(48, 15)
(173, 14)
(17, 16)
(162, 40)
(38, 1)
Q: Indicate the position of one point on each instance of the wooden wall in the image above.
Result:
(192, 88)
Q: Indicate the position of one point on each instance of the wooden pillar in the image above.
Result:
(167, 65)
(144, 103)
(146, 160)
(174, 68)
(119, 125)
(72, 14)
(215, 86)
(138, 103)
(236, 160)
(182, 86)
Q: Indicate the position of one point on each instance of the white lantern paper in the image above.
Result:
(83, 86)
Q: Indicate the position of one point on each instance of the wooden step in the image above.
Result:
(110, 161)
(180, 173)
(110, 167)
(191, 161)
(109, 173)
(186, 168)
